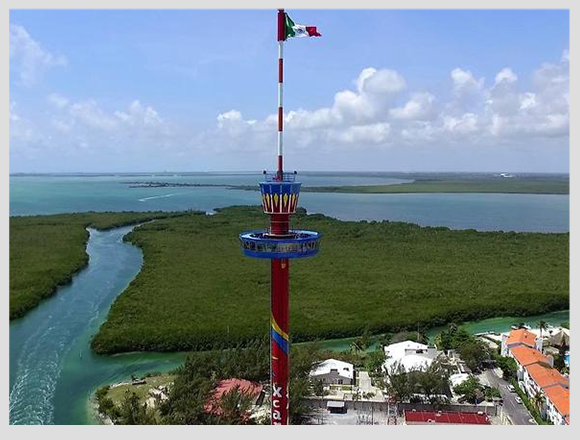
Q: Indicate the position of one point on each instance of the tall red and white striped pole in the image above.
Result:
(281, 36)
(280, 272)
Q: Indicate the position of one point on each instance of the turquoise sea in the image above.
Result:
(50, 194)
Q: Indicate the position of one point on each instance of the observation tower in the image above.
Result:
(279, 243)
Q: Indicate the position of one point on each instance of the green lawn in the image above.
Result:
(196, 290)
(45, 251)
(118, 393)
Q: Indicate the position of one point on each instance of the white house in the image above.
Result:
(411, 355)
(333, 371)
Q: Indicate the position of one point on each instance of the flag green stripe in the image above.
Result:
(289, 32)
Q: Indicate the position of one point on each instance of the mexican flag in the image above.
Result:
(297, 30)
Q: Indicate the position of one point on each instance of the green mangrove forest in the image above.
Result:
(197, 291)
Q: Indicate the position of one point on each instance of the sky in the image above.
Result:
(381, 90)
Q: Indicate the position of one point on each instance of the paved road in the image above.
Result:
(517, 412)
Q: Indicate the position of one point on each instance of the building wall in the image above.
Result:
(553, 415)
(334, 378)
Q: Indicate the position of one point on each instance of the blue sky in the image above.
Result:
(380, 90)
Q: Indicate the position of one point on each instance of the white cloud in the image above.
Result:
(91, 115)
(378, 112)
(373, 133)
(373, 113)
(466, 124)
(506, 75)
(418, 107)
(379, 82)
(464, 82)
(528, 101)
(139, 114)
(28, 60)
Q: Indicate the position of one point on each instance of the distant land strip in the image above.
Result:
(503, 185)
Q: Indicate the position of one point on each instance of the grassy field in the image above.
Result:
(117, 393)
(516, 185)
(45, 251)
(196, 290)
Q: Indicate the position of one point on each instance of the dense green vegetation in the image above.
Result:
(473, 351)
(45, 251)
(431, 385)
(195, 380)
(196, 290)
(472, 391)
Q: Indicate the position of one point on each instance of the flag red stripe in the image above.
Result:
(312, 32)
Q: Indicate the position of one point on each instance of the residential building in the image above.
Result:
(541, 377)
(519, 337)
(557, 408)
(333, 371)
(411, 355)
(526, 356)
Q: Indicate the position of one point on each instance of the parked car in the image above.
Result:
(511, 388)
(518, 399)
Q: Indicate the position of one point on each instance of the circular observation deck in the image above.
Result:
(295, 244)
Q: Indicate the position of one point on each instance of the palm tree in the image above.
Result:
(543, 325)
(539, 400)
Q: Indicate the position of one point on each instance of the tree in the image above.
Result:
(474, 352)
(132, 412)
(235, 406)
(304, 360)
(491, 392)
(453, 337)
(469, 389)
(398, 386)
(539, 400)
(384, 340)
(374, 362)
(542, 325)
(508, 367)
(432, 383)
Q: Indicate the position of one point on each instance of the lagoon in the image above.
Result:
(51, 194)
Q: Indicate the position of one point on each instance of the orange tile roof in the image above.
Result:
(546, 377)
(528, 356)
(560, 397)
(522, 336)
(567, 418)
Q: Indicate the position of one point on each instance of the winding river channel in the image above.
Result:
(52, 369)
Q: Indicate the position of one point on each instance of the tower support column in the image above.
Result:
(279, 340)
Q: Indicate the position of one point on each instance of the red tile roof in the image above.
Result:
(560, 398)
(456, 418)
(522, 336)
(546, 377)
(227, 385)
(528, 356)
